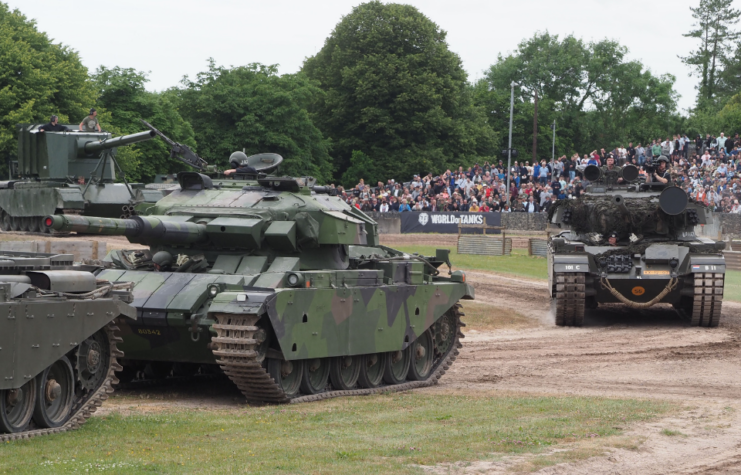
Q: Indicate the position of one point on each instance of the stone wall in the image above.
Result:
(730, 224)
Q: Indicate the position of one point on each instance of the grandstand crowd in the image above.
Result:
(708, 169)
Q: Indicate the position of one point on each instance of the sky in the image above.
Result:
(171, 39)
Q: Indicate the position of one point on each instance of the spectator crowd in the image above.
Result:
(708, 169)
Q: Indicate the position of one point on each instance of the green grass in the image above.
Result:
(380, 434)
(519, 263)
(732, 286)
(672, 433)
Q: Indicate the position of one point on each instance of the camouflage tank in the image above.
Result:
(47, 172)
(58, 342)
(634, 244)
(282, 285)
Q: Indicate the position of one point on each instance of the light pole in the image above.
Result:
(553, 149)
(509, 147)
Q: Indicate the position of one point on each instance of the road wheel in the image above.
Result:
(34, 224)
(344, 372)
(371, 370)
(15, 223)
(287, 375)
(16, 407)
(55, 390)
(422, 357)
(397, 366)
(316, 375)
(4, 221)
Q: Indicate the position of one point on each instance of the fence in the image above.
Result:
(483, 244)
(537, 247)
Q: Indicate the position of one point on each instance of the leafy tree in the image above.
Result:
(596, 97)
(395, 92)
(122, 94)
(253, 108)
(363, 167)
(37, 79)
(713, 29)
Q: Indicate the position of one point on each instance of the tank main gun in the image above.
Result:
(91, 147)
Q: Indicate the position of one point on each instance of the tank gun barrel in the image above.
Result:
(145, 228)
(99, 146)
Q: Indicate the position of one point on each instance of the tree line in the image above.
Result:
(384, 97)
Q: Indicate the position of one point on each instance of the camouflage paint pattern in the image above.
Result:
(302, 261)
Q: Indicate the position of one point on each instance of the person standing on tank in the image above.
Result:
(54, 126)
(660, 173)
(90, 123)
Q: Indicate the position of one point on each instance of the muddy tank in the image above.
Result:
(47, 177)
(58, 340)
(283, 286)
(630, 243)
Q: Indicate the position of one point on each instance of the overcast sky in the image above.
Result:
(171, 39)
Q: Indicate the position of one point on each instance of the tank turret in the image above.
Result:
(633, 242)
(59, 155)
(281, 284)
(66, 172)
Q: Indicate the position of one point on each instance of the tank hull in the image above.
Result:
(58, 341)
(664, 273)
(23, 207)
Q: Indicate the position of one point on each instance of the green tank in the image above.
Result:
(58, 340)
(282, 285)
(630, 243)
(46, 177)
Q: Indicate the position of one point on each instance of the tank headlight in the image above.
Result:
(213, 290)
(294, 279)
(673, 262)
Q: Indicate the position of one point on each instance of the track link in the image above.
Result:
(238, 355)
(707, 300)
(86, 406)
(568, 298)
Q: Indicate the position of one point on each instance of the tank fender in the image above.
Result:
(45, 331)
(707, 263)
(571, 263)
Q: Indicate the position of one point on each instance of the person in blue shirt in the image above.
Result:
(404, 207)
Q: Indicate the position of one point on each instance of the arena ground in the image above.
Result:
(617, 353)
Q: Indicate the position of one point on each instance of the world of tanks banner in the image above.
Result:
(441, 222)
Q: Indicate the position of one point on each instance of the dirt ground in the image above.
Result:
(617, 353)
(648, 354)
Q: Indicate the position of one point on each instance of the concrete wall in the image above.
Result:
(727, 225)
(390, 223)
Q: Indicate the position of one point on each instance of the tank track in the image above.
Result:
(238, 356)
(90, 403)
(569, 298)
(706, 304)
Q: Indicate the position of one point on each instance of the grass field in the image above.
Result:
(381, 434)
(519, 263)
